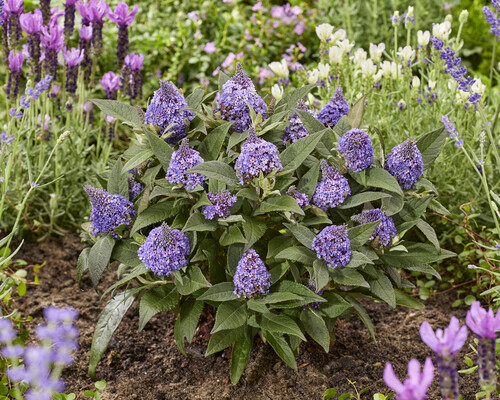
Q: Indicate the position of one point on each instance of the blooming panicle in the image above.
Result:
(84, 45)
(337, 107)
(417, 384)
(13, 9)
(385, 230)
(493, 19)
(301, 198)
(182, 160)
(32, 23)
(164, 250)
(405, 163)
(237, 93)
(16, 59)
(252, 278)
(123, 18)
(332, 190)
(166, 109)
(110, 83)
(295, 128)
(357, 149)
(72, 58)
(257, 155)
(332, 244)
(222, 201)
(109, 211)
(94, 11)
(53, 41)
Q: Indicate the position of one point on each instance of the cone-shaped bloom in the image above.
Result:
(483, 323)
(16, 59)
(417, 384)
(257, 155)
(385, 230)
(295, 128)
(301, 198)
(72, 58)
(69, 17)
(84, 45)
(165, 250)
(53, 41)
(94, 11)
(222, 201)
(445, 343)
(405, 163)
(182, 160)
(110, 83)
(131, 77)
(32, 24)
(236, 93)
(332, 190)
(252, 277)
(166, 109)
(332, 244)
(357, 149)
(13, 9)
(123, 18)
(337, 107)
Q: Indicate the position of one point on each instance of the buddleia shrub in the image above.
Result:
(280, 237)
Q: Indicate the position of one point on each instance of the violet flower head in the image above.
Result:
(405, 163)
(32, 22)
(484, 324)
(357, 149)
(134, 187)
(53, 41)
(332, 190)
(7, 332)
(166, 109)
(222, 201)
(110, 83)
(417, 384)
(252, 278)
(72, 57)
(385, 230)
(295, 128)
(94, 11)
(335, 109)
(445, 343)
(182, 160)
(165, 250)
(121, 16)
(257, 155)
(493, 19)
(131, 76)
(236, 93)
(16, 59)
(69, 17)
(46, 11)
(84, 44)
(301, 198)
(13, 9)
(109, 211)
(332, 244)
(85, 33)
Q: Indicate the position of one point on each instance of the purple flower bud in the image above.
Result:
(405, 163)
(94, 11)
(256, 156)
(337, 107)
(109, 211)
(332, 245)
(236, 93)
(16, 59)
(295, 128)
(165, 250)
(13, 9)
(182, 160)
(32, 23)
(417, 384)
(252, 277)
(332, 190)
(121, 16)
(72, 57)
(53, 41)
(222, 201)
(110, 83)
(385, 230)
(301, 198)
(134, 187)
(7, 332)
(85, 33)
(357, 149)
(445, 343)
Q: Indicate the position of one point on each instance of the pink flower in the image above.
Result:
(14, 7)
(210, 48)
(110, 82)
(32, 22)
(122, 16)
(16, 59)
(444, 343)
(72, 57)
(483, 323)
(416, 385)
(85, 33)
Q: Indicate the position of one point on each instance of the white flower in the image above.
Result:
(378, 76)
(423, 38)
(376, 51)
(359, 56)
(324, 31)
(280, 68)
(441, 31)
(410, 11)
(498, 66)
(406, 53)
(335, 53)
(310, 98)
(339, 35)
(478, 87)
(323, 70)
(432, 84)
(368, 68)
(452, 84)
(313, 76)
(277, 92)
(461, 97)
(415, 83)
(464, 16)
(389, 69)
(345, 45)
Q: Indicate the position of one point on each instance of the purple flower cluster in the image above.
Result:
(337, 107)
(332, 190)
(416, 385)
(109, 211)
(332, 245)
(237, 93)
(301, 198)
(182, 160)
(405, 163)
(257, 155)
(134, 188)
(451, 130)
(385, 230)
(69, 18)
(41, 87)
(72, 58)
(357, 149)
(93, 12)
(123, 18)
(252, 277)
(165, 250)
(53, 41)
(110, 83)
(222, 201)
(492, 18)
(166, 110)
(31, 23)
(16, 60)
(13, 9)
(131, 77)
(295, 128)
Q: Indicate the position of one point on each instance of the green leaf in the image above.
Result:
(302, 234)
(82, 265)
(316, 328)
(299, 254)
(122, 111)
(277, 244)
(281, 323)
(278, 297)
(230, 315)
(321, 274)
(192, 281)
(137, 159)
(430, 145)
(232, 235)
(223, 291)
(301, 290)
(382, 288)
(429, 233)
(134, 273)
(239, 357)
(195, 98)
(330, 394)
(254, 229)
(355, 115)
(222, 340)
(291, 98)
(309, 180)
(311, 124)
(190, 315)
(99, 257)
(348, 277)
(117, 181)
(153, 214)
(363, 315)
(281, 347)
(392, 205)
(279, 203)
(418, 254)
(360, 234)
(223, 78)
(362, 198)
(342, 126)
(404, 299)
(425, 269)
(358, 259)
(335, 305)
(198, 223)
(295, 154)
(109, 320)
(380, 178)
(217, 170)
(212, 144)
(162, 298)
(161, 149)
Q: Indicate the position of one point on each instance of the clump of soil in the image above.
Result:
(148, 366)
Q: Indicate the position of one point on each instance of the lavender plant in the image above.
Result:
(237, 218)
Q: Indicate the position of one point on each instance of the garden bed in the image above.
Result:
(148, 365)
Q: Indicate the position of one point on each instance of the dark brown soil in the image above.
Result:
(147, 365)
